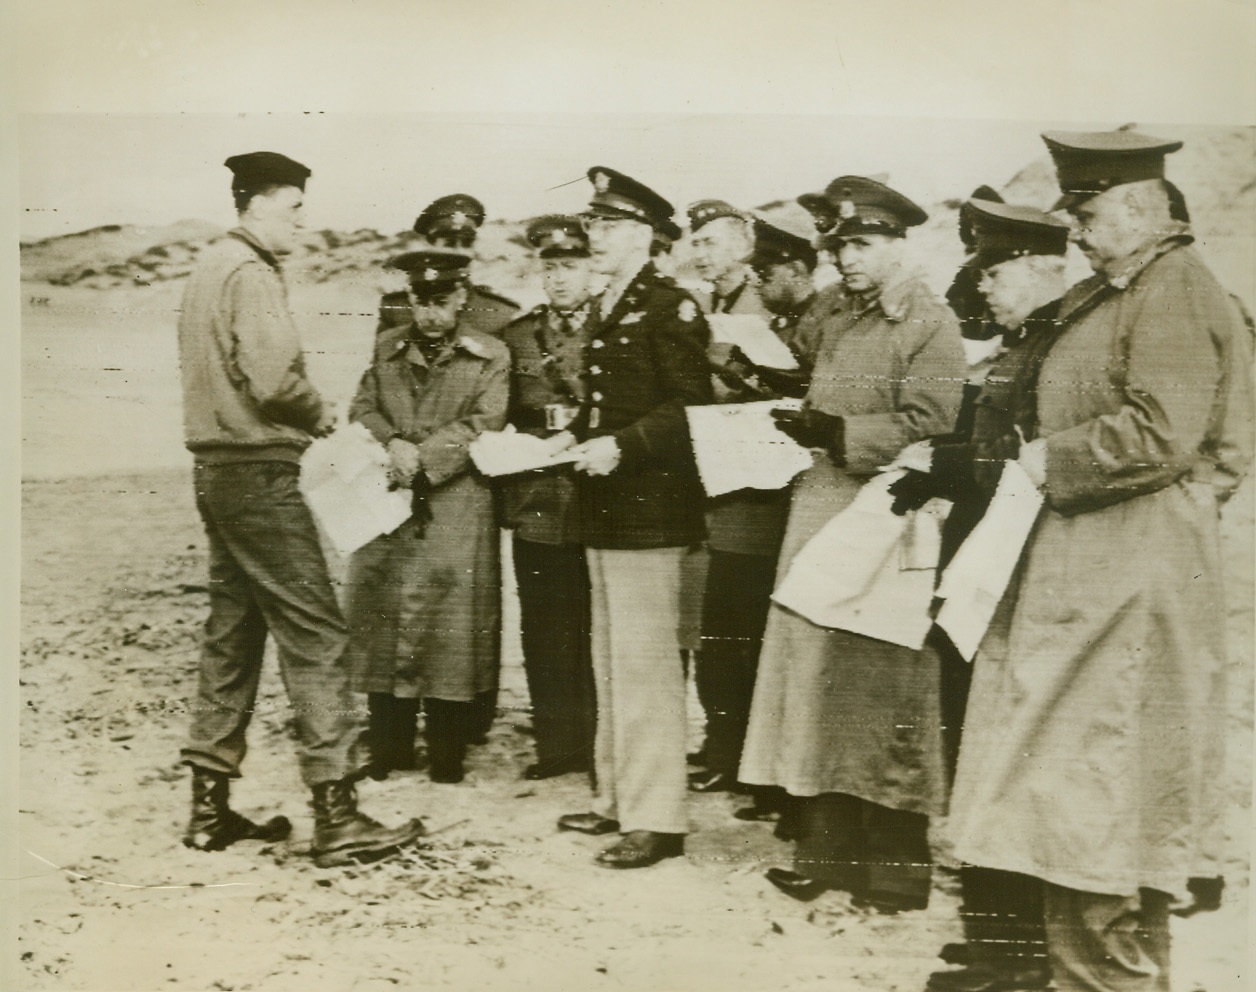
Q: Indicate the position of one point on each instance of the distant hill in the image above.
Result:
(1216, 170)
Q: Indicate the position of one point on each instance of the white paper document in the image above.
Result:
(737, 446)
(867, 570)
(344, 479)
(509, 452)
(977, 577)
(750, 332)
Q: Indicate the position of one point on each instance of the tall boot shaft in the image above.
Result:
(214, 825)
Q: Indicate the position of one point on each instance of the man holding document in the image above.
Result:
(845, 723)
(1092, 750)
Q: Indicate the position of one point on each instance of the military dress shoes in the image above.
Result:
(642, 848)
(794, 885)
(588, 823)
(990, 977)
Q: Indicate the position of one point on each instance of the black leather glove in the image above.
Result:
(912, 491)
(813, 429)
(783, 382)
(420, 488)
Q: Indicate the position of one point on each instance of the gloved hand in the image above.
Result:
(813, 429)
(912, 491)
(420, 511)
(783, 382)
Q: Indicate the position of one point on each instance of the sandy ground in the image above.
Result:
(113, 598)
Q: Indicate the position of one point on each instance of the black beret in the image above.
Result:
(617, 195)
(455, 214)
(558, 234)
(1002, 231)
(1089, 162)
(255, 170)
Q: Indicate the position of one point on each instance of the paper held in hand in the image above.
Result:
(977, 577)
(509, 452)
(344, 479)
(868, 570)
(737, 446)
(750, 333)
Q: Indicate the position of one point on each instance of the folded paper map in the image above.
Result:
(737, 446)
(509, 452)
(750, 333)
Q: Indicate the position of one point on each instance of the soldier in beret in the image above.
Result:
(425, 601)
(249, 412)
(453, 221)
(1100, 774)
(548, 389)
(1018, 262)
(848, 725)
(640, 507)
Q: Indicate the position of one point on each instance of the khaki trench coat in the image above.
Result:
(1093, 743)
(834, 711)
(424, 606)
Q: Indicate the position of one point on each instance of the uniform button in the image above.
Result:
(597, 344)
(597, 397)
(623, 340)
(594, 370)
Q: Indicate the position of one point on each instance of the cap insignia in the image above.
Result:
(430, 275)
(558, 236)
(601, 182)
(458, 218)
(846, 209)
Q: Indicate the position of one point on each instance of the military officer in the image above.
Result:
(640, 507)
(846, 724)
(424, 601)
(548, 388)
(744, 529)
(1091, 751)
(1018, 265)
(453, 221)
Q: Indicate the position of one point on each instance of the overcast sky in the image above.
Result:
(378, 170)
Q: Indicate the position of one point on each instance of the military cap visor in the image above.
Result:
(1003, 231)
(859, 205)
(452, 214)
(1088, 163)
(774, 246)
(432, 271)
(616, 195)
(558, 234)
(256, 170)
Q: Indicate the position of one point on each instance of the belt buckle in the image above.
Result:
(558, 416)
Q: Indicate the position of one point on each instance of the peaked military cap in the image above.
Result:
(823, 207)
(774, 246)
(865, 206)
(1002, 231)
(1089, 162)
(255, 170)
(703, 212)
(983, 192)
(617, 195)
(457, 215)
(433, 270)
(558, 234)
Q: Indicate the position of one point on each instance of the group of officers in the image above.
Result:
(1080, 775)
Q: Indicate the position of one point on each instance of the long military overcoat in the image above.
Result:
(834, 711)
(1093, 743)
(424, 606)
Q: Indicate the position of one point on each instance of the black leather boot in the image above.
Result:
(343, 835)
(214, 825)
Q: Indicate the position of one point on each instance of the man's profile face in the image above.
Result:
(614, 243)
(566, 280)
(435, 312)
(1011, 289)
(277, 216)
(867, 261)
(718, 247)
(1101, 227)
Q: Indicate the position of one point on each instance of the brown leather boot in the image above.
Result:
(214, 825)
(343, 835)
